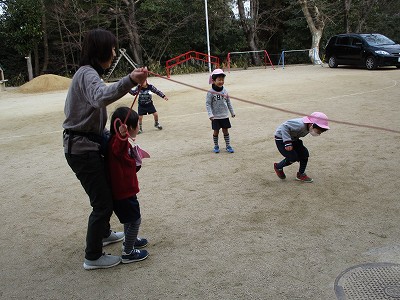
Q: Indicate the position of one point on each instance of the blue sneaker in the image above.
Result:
(229, 149)
(216, 149)
(139, 244)
(134, 256)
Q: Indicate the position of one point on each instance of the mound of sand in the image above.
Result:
(45, 83)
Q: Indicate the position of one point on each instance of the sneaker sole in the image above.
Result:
(306, 181)
(128, 261)
(89, 267)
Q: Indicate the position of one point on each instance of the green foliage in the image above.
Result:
(22, 24)
(168, 28)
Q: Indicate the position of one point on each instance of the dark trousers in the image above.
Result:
(90, 169)
(299, 153)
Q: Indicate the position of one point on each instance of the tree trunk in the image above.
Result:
(366, 8)
(347, 5)
(62, 44)
(45, 39)
(29, 65)
(132, 30)
(316, 25)
(249, 25)
(36, 58)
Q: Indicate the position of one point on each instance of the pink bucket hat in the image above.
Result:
(215, 72)
(318, 118)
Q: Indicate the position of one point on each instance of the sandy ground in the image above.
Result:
(221, 226)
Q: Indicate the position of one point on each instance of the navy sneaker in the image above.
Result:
(139, 244)
(134, 256)
(216, 149)
(229, 149)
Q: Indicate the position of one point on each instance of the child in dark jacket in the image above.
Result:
(146, 104)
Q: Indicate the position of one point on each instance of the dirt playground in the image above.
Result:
(220, 226)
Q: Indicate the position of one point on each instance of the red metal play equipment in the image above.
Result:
(188, 56)
(267, 60)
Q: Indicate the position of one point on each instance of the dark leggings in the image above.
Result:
(299, 153)
(89, 168)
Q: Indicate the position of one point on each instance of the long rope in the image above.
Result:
(277, 108)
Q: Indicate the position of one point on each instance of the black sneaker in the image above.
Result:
(134, 256)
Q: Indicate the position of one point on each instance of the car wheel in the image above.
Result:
(332, 62)
(370, 63)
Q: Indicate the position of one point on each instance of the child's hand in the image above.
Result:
(211, 118)
(289, 148)
(139, 75)
(123, 130)
(166, 98)
(233, 116)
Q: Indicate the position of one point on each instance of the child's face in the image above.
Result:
(134, 131)
(219, 81)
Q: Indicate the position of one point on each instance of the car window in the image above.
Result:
(377, 39)
(356, 41)
(343, 40)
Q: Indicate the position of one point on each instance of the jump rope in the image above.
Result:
(118, 120)
(245, 101)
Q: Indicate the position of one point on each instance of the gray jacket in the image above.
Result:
(291, 130)
(85, 107)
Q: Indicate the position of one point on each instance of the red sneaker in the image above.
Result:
(303, 177)
(279, 172)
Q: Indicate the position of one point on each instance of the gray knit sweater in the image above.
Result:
(85, 106)
(218, 104)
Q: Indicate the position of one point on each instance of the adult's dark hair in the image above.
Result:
(97, 47)
(121, 113)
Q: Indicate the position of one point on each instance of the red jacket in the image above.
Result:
(122, 169)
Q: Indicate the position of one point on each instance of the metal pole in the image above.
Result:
(208, 38)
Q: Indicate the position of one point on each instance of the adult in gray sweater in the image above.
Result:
(85, 135)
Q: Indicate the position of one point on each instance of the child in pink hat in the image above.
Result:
(218, 107)
(289, 144)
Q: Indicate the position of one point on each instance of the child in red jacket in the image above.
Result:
(124, 160)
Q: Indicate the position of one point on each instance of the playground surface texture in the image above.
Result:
(220, 226)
